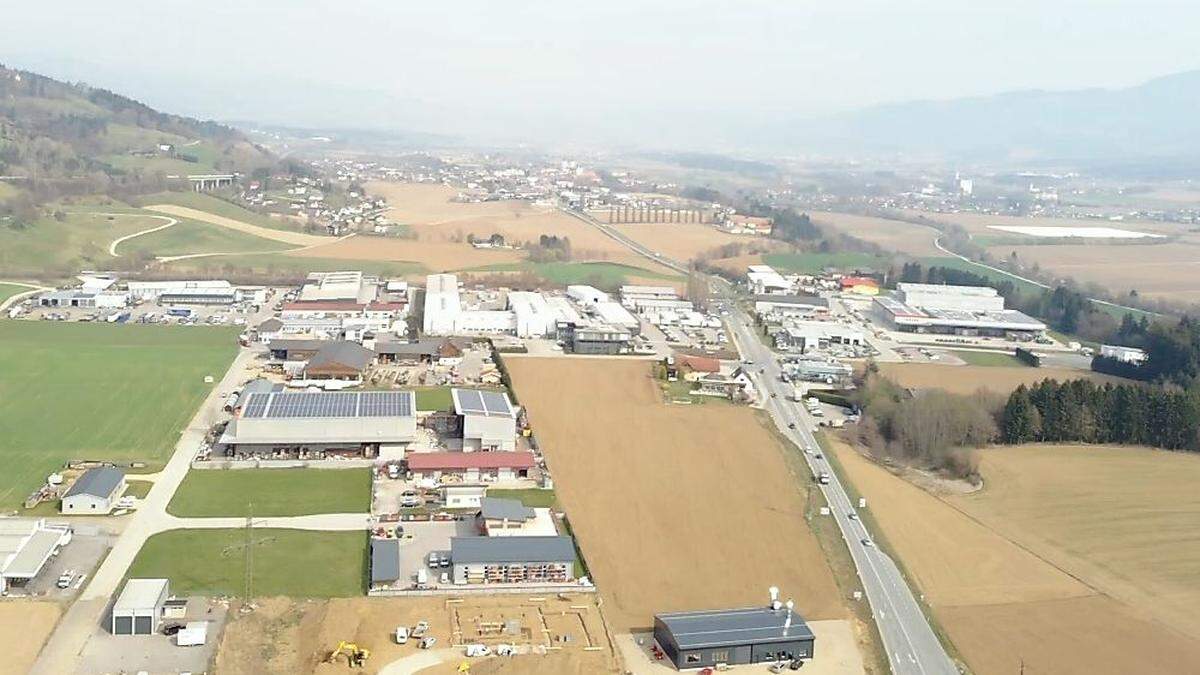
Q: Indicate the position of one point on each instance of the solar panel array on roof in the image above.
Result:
(479, 402)
(284, 405)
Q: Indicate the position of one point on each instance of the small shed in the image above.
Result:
(463, 496)
(139, 608)
(95, 492)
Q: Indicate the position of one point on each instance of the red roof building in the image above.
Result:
(463, 461)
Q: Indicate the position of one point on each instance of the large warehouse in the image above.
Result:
(489, 421)
(707, 639)
(953, 310)
(445, 315)
(320, 424)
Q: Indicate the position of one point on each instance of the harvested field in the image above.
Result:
(893, 235)
(675, 507)
(968, 379)
(1168, 271)
(434, 255)
(684, 241)
(24, 628)
(1000, 599)
(286, 636)
(442, 226)
(286, 237)
(1123, 519)
(978, 223)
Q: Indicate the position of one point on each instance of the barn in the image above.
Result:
(95, 492)
(707, 639)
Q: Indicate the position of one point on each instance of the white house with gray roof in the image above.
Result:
(489, 421)
(95, 492)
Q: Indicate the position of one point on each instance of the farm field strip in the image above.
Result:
(1003, 601)
(294, 238)
(639, 479)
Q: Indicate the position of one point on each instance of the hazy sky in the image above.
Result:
(668, 71)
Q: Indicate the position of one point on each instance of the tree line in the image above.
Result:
(1081, 411)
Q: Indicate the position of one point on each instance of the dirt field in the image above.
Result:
(24, 628)
(434, 255)
(1169, 271)
(684, 241)
(297, 238)
(675, 507)
(1123, 519)
(437, 222)
(893, 235)
(1000, 600)
(288, 636)
(968, 379)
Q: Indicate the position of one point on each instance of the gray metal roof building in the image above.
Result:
(385, 561)
(496, 508)
(468, 550)
(482, 402)
(705, 639)
(97, 482)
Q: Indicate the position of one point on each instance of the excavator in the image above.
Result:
(355, 656)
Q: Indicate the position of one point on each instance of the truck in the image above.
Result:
(798, 394)
(182, 312)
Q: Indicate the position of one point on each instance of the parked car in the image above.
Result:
(401, 635)
(65, 579)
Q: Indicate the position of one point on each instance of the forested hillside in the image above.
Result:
(59, 139)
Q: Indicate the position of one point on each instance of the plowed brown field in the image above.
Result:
(675, 507)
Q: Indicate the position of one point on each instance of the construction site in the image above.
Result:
(561, 633)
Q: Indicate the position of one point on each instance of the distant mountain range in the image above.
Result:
(1157, 119)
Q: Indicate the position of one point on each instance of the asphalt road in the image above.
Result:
(912, 646)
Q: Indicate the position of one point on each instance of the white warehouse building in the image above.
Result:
(489, 421)
(938, 296)
(444, 313)
(533, 315)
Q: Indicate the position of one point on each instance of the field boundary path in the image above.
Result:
(937, 242)
(295, 238)
(192, 256)
(112, 248)
(14, 299)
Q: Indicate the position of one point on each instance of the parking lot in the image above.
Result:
(89, 544)
(426, 538)
(108, 653)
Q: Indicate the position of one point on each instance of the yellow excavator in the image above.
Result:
(355, 655)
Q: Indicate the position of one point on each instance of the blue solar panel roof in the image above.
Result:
(291, 405)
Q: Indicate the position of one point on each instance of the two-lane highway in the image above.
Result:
(912, 646)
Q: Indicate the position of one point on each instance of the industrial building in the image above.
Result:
(489, 421)
(442, 351)
(385, 563)
(708, 639)
(26, 544)
(201, 296)
(1131, 355)
(469, 467)
(78, 297)
(809, 336)
(151, 291)
(595, 338)
(95, 492)
(533, 316)
(139, 608)
(343, 286)
(818, 370)
(322, 424)
(512, 560)
(953, 310)
(778, 307)
(764, 280)
(444, 313)
(587, 295)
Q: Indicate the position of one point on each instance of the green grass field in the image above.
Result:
(219, 207)
(434, 398)
(295, 563)
(98, 391)
(600, 274)
(997, 359)
(811, 263)
(138, 488)
(532, 497)
(190, 236)
(9, 290)
(272, 492)
(55, 248)
(279, 265)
